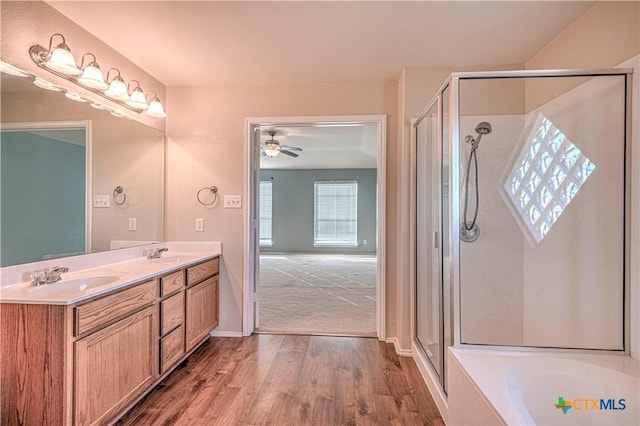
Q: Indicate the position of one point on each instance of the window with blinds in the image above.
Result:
(335, 213)
(266, 202)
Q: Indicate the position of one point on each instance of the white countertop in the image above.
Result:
(90, 277)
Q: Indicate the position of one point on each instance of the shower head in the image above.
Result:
(483, 128)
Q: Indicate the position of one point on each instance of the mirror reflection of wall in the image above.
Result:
(42, 191)
(123, 153)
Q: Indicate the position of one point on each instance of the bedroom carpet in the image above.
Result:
(318, 294)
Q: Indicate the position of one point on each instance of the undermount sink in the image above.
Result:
(173, 259)
(75, 284)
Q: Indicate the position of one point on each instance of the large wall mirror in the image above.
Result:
(74, 179)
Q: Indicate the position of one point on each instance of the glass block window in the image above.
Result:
(266, 203)
(547, 175)
(335, 213)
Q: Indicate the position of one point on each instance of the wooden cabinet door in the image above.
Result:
(114, 365)
(201, 311)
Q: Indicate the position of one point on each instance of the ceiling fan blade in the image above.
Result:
(291, 148)
(284, 151)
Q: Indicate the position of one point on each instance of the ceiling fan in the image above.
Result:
(272, 147)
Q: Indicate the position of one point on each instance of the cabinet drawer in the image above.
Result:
(103, 310)
(171, 282)
(171, 313)
(202, 270)
(171, 348)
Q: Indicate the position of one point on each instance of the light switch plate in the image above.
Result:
(132, 224)
(199, 224)
(101, 201)
(232, 201)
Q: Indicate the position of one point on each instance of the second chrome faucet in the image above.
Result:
(48, 275)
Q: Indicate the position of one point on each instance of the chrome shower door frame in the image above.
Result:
(453, 146)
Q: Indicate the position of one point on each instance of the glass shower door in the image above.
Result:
(428, 289)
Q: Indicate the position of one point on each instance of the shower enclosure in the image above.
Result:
(521, 214)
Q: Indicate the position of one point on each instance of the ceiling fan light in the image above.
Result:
(117, 90)
(271, 150)
(92, 77)
(155, 109)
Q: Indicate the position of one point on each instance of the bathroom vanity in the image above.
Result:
(83, 350)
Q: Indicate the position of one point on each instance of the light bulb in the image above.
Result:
(117, 90)
(155, 109)
(62, 60)
(137, 99)
(92, 77)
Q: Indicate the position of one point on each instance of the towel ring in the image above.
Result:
(213, 190)
(118, 192)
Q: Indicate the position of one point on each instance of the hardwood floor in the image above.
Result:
(290, 380)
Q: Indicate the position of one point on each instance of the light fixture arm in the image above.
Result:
(109, 72)
(63, 45)
(93, 62)
(135, 88)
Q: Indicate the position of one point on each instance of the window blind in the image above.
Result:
(266, 202)
(335, 213)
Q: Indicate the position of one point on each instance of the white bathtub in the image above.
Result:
(523, 388)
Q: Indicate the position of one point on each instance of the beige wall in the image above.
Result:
(606, 36)
(603, 37)
(27, 23)
(206, 147)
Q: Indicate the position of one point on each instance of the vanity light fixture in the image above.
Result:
(91, 74)
(59, 60)
(117, 87)
(10, 69)
(97, 106)
(155, 107)
(44, 84)
(137, 98)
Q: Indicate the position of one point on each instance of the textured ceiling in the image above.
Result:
(243, 42)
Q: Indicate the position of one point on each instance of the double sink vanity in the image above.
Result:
(84, 349)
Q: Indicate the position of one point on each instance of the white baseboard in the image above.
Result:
(432, 381)
(223, 333)
(399, 350)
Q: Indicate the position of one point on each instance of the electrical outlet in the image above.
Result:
(364, 242)
(199, 224)
(232, 201)
(132, 224)
(101, 201)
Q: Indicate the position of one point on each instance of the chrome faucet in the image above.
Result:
(48, 275)
(155, 253)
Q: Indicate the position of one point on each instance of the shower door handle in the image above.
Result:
(436, 240)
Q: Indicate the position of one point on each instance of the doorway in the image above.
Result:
(308, 248)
